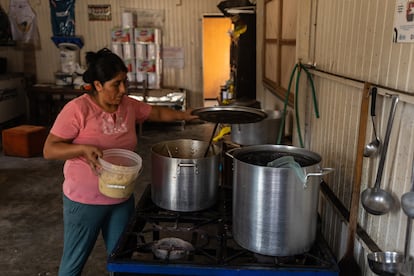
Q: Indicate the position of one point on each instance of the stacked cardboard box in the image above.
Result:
(140, 48)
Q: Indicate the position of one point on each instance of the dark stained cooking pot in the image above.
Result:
(275, 210)
(182, 178)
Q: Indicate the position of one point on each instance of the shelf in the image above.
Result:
(8, 43)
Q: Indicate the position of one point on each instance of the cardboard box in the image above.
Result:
(146, 35)
(124, 35)
(24, 140)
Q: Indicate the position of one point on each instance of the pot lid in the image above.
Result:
(230, 114)
(245, 102)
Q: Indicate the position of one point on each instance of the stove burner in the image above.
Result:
(171, 248)
(159, 241)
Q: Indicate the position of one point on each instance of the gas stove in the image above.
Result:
(159, 241)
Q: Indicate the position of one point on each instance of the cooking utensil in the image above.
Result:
(348, 265)
(245, 102)
(275, 212)
(171, 248)
(227, 114)
(407, 268)
(168, 150)
(259, 133)
(375, 200)
(373, 147)
(187, 181)
(407, 199)
(407, 203)
(395, 263)
(222, 132)
(211, 139)
(385, 263)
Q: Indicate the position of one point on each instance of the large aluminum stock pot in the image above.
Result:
(274, 209)
(259, 133)
(182, 178)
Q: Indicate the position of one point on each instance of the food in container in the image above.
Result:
(120, 168)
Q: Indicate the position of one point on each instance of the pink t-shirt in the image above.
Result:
(85, 122)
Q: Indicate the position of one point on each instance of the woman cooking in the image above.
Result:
(86, 126)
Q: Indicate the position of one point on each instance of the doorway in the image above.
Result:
(216, 55)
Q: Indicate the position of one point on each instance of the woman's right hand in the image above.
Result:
(63, 149)
(91, 154)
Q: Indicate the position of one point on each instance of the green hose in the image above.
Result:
(315, 103)
(282, 125)
(296, 107)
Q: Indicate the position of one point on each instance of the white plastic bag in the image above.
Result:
(23, 22)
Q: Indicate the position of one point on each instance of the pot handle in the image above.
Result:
(187, 166)
(324, 171)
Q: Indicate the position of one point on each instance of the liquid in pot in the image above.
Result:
(262, 158)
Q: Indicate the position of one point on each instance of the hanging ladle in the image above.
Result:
(407, 204)
(407, 199)
(373, 147)
(375, 200)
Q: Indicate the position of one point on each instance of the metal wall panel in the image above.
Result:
(354, 39)
(352, 45)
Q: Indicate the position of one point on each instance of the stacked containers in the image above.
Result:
(140, 48)
(148, 56)
(122, 45)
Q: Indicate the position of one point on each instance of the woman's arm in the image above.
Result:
(63, 149)
(166, 114)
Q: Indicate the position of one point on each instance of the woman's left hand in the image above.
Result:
(188, 116)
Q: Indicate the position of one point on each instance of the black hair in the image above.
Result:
(103, 66)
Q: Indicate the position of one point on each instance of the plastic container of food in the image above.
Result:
(120, 169)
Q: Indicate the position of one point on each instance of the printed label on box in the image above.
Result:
(119, 34)
(144, 34)
(146, 66)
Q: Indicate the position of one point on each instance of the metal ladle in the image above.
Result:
(407, 268)
(373, 147)
(407, 199)
(375, 200)
(407, 204)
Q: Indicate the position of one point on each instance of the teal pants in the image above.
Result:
(82, 224)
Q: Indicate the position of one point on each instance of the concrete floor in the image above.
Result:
(31, 227)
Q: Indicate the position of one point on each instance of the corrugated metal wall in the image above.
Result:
(182, 28)
(352, 44)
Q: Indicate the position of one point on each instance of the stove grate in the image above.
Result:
(210, 234)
